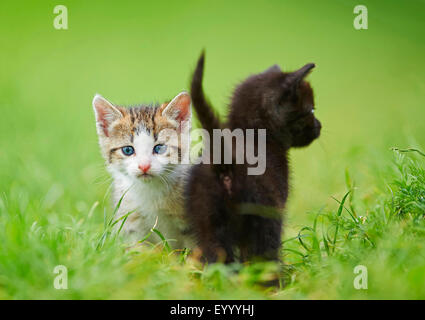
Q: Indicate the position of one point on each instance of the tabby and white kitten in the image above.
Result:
(140, 146)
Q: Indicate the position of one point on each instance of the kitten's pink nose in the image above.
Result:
(144, 167)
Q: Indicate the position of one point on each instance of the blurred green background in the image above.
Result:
(369, 88)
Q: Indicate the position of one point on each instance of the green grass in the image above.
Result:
(353, 200)
(319, 262)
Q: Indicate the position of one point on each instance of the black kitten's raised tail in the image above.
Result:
(202, 107)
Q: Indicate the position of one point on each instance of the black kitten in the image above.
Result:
(238, 216)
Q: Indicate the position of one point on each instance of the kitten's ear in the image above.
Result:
(295, 78)
(273, 68)
(178, 110)
(105, 114)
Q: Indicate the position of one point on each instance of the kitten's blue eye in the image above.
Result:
(128, 150)
(159, 148)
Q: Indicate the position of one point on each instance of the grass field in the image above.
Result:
(354, 201)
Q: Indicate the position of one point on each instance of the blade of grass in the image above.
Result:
(409, 150)
(341, 206)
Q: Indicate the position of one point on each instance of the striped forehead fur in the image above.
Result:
(147, 118)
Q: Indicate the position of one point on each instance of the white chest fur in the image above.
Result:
(151, 201)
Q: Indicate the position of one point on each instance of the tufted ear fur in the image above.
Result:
(178, 110)
(105, 114)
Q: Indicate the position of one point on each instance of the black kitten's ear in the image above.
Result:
(296, 77)
(274, 68)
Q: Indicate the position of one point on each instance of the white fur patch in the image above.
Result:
(153, 198)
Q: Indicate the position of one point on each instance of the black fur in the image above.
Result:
(238, 216)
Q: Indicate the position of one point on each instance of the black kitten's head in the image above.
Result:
(290, 100)
(284, 104)
(296, 106)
